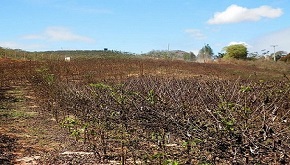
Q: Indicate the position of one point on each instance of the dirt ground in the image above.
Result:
(23, 137)
(28, 137)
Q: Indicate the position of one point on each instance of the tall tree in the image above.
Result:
(238, 51)
(189, 56)
(205, 53)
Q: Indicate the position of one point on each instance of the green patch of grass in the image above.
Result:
(17, 114)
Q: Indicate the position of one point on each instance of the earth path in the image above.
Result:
(28, 136)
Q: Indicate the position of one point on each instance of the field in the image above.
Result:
(144, 111)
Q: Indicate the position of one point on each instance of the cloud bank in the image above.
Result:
(58, 34)
(235, 14)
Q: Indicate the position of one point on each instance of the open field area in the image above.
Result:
(144, 111)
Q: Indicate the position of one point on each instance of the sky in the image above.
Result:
(139, 26)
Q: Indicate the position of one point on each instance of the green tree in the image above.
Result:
(238, 51)
(205, 53)
(161, 54)
(189, 56)
(220, 55)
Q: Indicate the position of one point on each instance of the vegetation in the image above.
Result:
(205, 53)
(237, 51)
(189, 56)
(175, 54)
(148, 111)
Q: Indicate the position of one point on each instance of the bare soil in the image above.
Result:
(28, 136)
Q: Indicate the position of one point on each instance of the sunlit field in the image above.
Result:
(137, 110)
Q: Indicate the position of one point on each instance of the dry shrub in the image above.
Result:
(213, 121)
(154, 119)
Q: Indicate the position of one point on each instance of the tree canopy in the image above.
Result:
(238, 51)
(189, 56)
(205, 52)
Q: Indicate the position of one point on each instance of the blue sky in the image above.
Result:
(143, 25)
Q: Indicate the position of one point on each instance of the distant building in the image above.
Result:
(67, 59)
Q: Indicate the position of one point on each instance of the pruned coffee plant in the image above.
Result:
(155, 120)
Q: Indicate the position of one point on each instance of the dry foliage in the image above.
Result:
(162, 112)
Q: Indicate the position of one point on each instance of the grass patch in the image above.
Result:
(16, 114)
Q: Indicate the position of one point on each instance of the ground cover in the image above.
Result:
(133, 111)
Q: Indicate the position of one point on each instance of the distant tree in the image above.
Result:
(253, 56)
(220, 55)
(285, 58)
(237, 51)
(158, 54)
(205, 53)
(192, 56)
(165, 54)
(279, 54)
(189, 56)
(265, 52)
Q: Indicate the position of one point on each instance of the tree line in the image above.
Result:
(205, 54)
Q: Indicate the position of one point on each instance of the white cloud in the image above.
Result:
(16, 45)
(280, 38)
(58, 34)
(235, 13)
(195, 33)
(63, 34)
